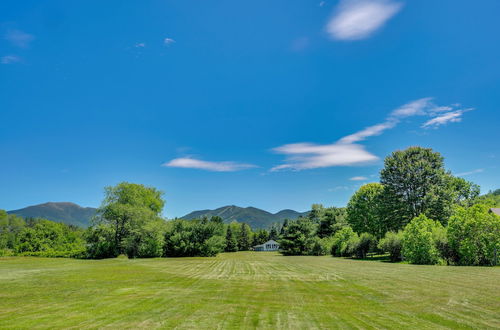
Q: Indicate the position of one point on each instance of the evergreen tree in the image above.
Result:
(245, 239)
(231, 241)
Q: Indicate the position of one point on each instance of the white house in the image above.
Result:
(270, 245)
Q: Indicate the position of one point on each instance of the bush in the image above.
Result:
(146, 241)
(365, 244)
(343, 242)
(474, 236)
(392, 244)
(101, 242)
(419, 245)
(322, 246)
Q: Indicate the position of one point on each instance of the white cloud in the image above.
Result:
(9, 59)
(303, 156)
(19, 38)
(168, 41)
(347, 152)
(206, 165)
(448, 117)
(358, 178)
(140, 45)
(358, 19)
(479, 170)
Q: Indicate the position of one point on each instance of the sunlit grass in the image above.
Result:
(246, 289)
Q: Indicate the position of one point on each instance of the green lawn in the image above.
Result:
(245, 290)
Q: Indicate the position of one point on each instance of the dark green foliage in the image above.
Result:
(329, 220)
(474, 236)
(146, 240)
(101, 242)
(415, 183)
(231, 241)
(50, 239)
(365, 210)
(299, 237)
(245, 238)
(420, 241)
(273, 233)
(260, 236)
(366, 243)
(392, 243)
(190, 238)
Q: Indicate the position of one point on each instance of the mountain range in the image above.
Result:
(254, 217)
(74, 214)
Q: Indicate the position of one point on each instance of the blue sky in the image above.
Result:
(273, 104)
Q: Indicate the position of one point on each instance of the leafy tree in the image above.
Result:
(415, 183)
(392, 244)
(331, 220)
(299, 237)
(50, 239)
(245, 238)
(474, 236)
(231, 242)
(10, 227)
(343, 242)
(419, 244)
(322, 246)
(101, 242)
(126, 208)
(464, 192)
(365, 210)
(146, 240)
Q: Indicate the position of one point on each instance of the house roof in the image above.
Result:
(271, 241)
(495, 211)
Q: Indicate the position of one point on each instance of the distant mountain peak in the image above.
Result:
(65, 212)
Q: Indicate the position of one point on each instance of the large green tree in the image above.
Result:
(415, 183)
(365, 210)
(299, 237)
(128, 209)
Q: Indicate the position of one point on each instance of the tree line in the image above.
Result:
(418, 212)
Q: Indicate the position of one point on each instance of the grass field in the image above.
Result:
(245, 290)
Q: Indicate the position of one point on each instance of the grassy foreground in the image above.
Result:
(245, 290)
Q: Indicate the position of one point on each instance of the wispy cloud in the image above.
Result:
(358, 19)
(347, 151)
(10, 59)
(358, 178)
(168, 41)
(207, 165)
(445, 118)
(19, 38)
(479, 170)
(140, 45)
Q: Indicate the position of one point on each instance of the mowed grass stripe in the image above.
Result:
(245, 290)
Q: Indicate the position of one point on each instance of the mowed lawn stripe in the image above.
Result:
(245, 290)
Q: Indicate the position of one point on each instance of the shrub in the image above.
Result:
(146, 241)
(343, 241)
(474, 236)
(322, 246)
(392, 244)
(365, 244)
(419, 245)
(101, 242)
